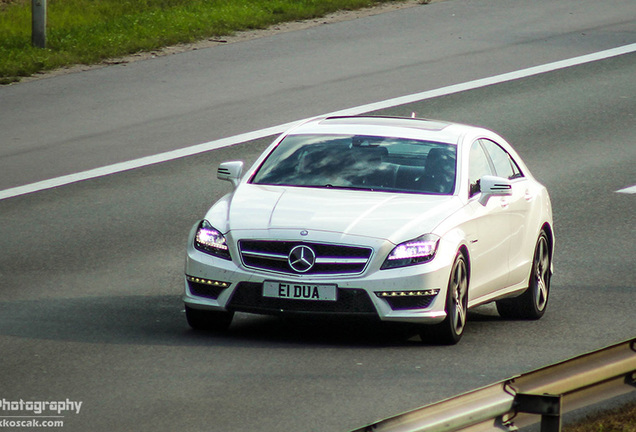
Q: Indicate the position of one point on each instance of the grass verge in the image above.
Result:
(622, 419)
(88, 31)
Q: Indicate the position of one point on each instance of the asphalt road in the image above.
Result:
(90, 273)
(78, 122)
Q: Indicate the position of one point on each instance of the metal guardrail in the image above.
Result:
(542, 395)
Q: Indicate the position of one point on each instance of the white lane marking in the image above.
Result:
(237, 139)
(141, 162)
(628, 190)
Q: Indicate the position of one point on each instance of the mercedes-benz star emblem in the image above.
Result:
(301, 258)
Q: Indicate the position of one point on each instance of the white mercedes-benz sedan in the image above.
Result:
(401, 219)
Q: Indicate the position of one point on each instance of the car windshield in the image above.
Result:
(360, 162)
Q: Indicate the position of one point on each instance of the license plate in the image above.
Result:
(296, 291)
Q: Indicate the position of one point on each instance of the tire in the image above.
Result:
(450, 331)
(207, 320)
(531, 305)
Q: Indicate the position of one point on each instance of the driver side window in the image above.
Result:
(478, 167)
(505, 166)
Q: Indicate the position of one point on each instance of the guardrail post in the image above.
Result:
(548, 406)
(38, 23)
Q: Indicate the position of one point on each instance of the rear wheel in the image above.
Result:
(450, 331)
(208, 320)
(531, 305)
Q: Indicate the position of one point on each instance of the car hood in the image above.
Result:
(389, 216)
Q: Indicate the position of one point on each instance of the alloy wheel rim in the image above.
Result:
(542, 267)
(459, 286)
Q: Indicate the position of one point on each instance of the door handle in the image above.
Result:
(528, 196)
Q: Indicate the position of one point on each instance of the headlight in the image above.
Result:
(210, 240)
(416, 251)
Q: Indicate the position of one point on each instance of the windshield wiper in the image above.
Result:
(330, 186)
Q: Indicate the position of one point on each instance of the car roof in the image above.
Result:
(399, 127)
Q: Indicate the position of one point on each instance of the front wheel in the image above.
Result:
(208, 320)
(531, 305)
(450, 331)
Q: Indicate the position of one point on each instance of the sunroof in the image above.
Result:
(430, 125)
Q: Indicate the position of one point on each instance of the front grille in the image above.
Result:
(329, 259)
(248, 297)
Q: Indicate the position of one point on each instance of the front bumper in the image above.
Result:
(414, 294)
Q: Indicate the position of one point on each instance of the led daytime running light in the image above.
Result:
(421, 293)
(207, 282)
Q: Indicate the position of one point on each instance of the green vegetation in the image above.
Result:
(622, 419)
(88, 31)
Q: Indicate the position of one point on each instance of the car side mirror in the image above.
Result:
(230, 171)
(493, 186)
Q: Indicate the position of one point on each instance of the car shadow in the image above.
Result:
(160, 320)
